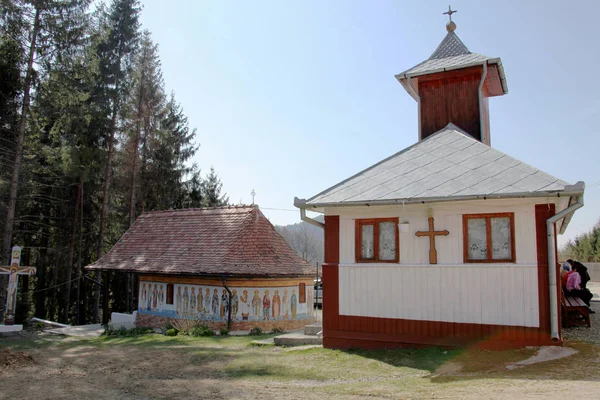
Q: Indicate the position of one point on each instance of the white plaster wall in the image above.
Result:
(450, 291)
(415, 250)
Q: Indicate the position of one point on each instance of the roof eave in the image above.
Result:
(310, 206)
(192, 274)
(403, 76)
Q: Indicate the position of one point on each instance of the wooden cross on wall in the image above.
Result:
(432, 233)
(13, 271)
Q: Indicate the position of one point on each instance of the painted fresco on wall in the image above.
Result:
(151, 296)
(211, 303)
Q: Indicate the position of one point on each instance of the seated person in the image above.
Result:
(565, 269)
(573, 285)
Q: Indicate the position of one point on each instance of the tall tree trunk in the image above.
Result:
(69, 270)
(81, 281)
(107, 176)
(136, 145)
(14, 183)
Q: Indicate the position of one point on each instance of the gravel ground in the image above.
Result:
(584, 333)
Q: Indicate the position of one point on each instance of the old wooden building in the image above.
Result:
(216, 265)
(449, 241)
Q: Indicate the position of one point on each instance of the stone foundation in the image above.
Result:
(154, 321)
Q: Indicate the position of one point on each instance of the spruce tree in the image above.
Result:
(212, 187)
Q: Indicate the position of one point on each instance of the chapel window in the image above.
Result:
(377, 240)
(169, 293)
(489, 238)
(302, 293)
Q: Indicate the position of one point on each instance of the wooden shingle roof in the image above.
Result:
(208, 241)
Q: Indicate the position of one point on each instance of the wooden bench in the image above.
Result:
(574, 311)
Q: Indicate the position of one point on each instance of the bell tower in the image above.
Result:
(453, 86)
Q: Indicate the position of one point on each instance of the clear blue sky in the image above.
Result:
(291, 97)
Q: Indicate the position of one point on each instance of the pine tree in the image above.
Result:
(145, 109)
(47, 29)
(212, 187)
(115, 54)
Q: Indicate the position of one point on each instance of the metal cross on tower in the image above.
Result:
(253, 193)
(450, 12)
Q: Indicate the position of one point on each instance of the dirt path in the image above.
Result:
(230, 369)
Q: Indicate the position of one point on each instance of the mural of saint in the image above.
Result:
(256, 305)
(178, 299)
(154, 297)
(294, 302)
(276, 307)
(193, 301)
(245, 305)
(215, 303)
(144, 292)
(207, 301)
(224, 304)
(200, 300)
(161, 296)
(286, 303)
(149, 298)
(266, 306)
(235, 303)
(186, 302)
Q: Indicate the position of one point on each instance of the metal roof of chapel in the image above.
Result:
(448, 165)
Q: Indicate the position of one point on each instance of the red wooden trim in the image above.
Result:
(367, 332)
(330, 297)
(332, 239)
(542, 213)
(488, 226)
(358, 224)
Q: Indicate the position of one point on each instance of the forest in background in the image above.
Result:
(585, 247)
(90, 138)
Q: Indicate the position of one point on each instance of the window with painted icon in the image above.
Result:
(377, 240)
(489, 238)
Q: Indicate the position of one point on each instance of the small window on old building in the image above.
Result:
(302, 293)
(169, 293)
(377, 240)
(489, 237)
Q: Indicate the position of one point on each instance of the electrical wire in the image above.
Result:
(55, 286)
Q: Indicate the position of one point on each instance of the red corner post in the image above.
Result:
(330, 276)
(542, 213)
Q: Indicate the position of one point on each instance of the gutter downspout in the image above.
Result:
(229, 306)
(552, 263)
(301, 204)
(480, 94)
(311, 221)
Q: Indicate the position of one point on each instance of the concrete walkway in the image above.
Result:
(83, 331)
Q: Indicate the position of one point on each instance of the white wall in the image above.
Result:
(450, 291)
(496, 295)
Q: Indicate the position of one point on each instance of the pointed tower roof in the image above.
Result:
(451, 46)
(451, 54)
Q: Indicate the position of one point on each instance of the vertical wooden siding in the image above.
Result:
(494, 295)
(448, 100)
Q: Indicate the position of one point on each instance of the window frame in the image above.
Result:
(488, 233)
(301, 293)
(358, 224)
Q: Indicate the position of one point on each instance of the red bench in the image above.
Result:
(574, 311)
